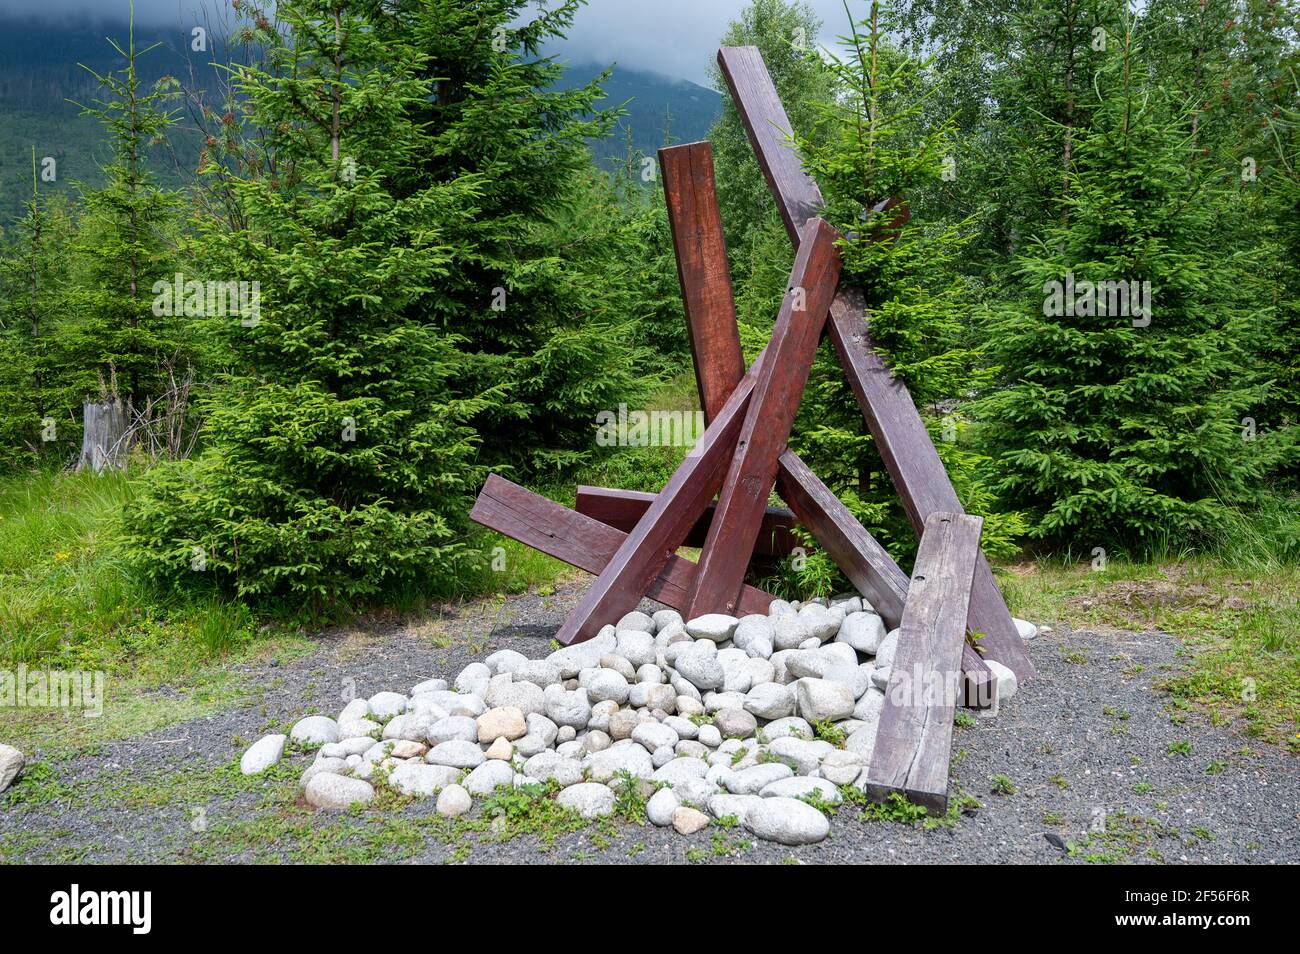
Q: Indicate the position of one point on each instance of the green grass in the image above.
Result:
(1236, 612)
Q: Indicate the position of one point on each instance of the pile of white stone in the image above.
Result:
(715, 717)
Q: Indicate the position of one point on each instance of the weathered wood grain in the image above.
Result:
(914, 738)
(900, 434)
(766, 429)
(582, 541)
(703, 271)
(623, 508)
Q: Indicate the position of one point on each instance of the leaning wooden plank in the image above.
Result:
(797, 196)
(914, 737)
(623, 581)
(703, 271)
(706, 290)
(581, 541)
(864, 561)
(766, 429)
(623, 508)
(917, 472)
(891, 416)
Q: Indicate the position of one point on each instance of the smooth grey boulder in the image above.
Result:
(473, 679)
(257, 758)
(803, 786)
(603, 766)
(666, 617)
(385, 705)
(484, 779)
(524, 696)
(803, 755)
(752, 780)
(821, 623)
(608, 685)
(716, 627)
(660, 807)
(789, 726)
(456, 753)
(452, 727)
(820, 699)
(550, 765)
(770, 700)
(588, 799)
(863, 631)
(337, 792)
(638, 621)
(789, 631)
(698, 665)
(539, 672)
(843, 766)
(885, 652)
(422, 781)
(567, 708)
(505, 660)
(636, 646)
(327, 764)
(679, 770)
(571, 660)
(733, 806)
(653, 735)
(428, 685)
(453, 801)
(735, 723)
(787, 821)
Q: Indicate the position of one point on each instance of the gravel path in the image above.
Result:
(1089, 747)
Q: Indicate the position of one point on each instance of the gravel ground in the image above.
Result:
(1089, 744)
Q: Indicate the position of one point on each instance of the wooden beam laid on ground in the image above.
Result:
(914, 738)
(582, 541)
(766, 429)
(703, 271)
(623, 508)
(900, 434)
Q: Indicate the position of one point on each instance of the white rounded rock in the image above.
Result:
(660, 807)
(337, 792)
(588, 799)
(315, 730)
(257, 758)
(716, 627)
(787, 821)
(453, 801)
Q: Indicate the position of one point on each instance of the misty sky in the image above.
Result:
(676, 37)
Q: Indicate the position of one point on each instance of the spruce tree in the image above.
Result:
(38, 422)
(526, 298)
(1118, 424)
(116, 343)
(339, 463)
(875, 147)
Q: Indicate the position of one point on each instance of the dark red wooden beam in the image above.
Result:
(766, 430)
(896, 426)
(703, 271)
(582, 541)
(623, 508)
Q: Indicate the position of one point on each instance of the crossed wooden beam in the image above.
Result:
(629, 540)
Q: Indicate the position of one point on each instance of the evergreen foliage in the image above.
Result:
(1125, 423)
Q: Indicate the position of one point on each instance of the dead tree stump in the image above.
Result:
(102, 440)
